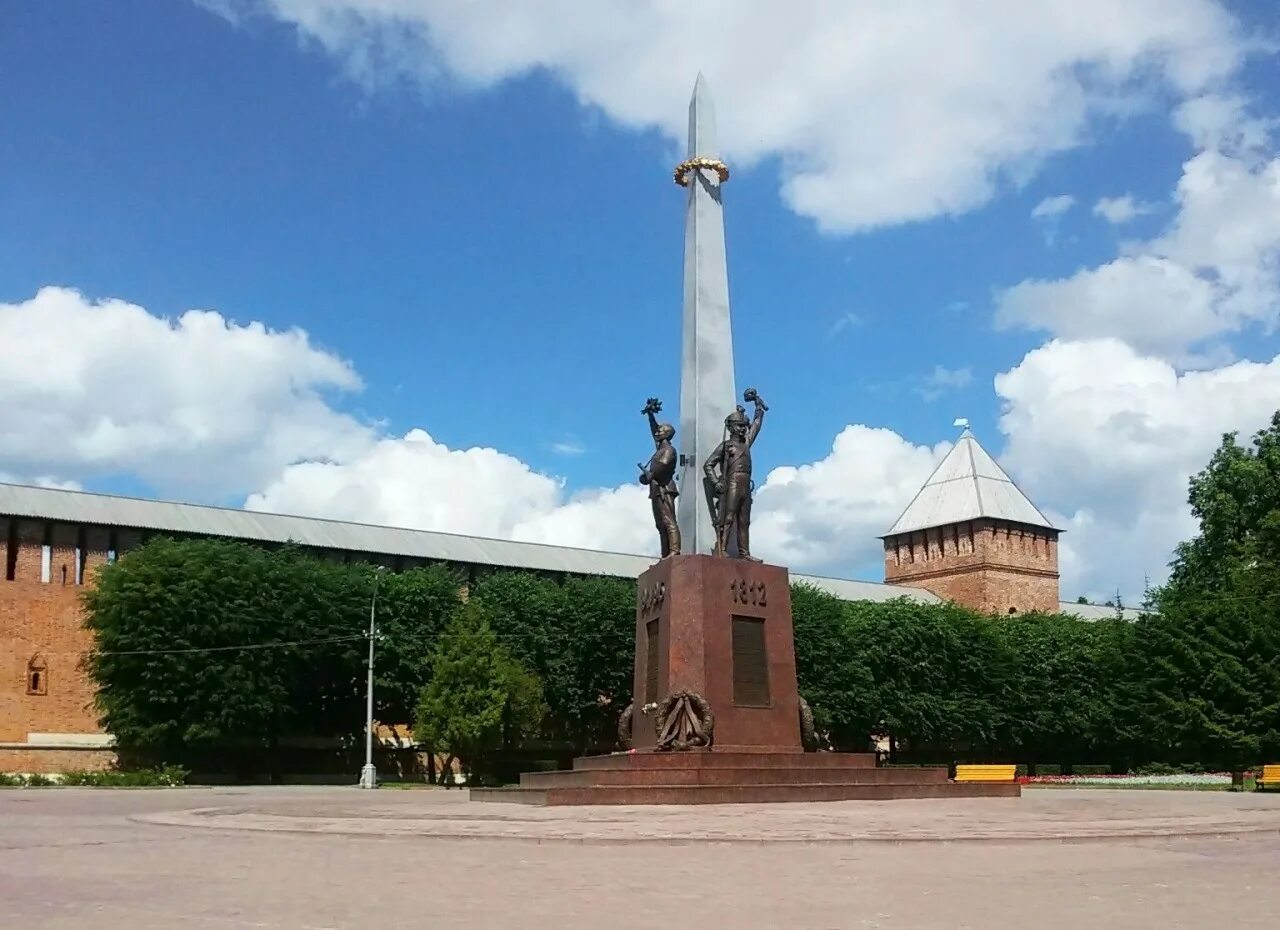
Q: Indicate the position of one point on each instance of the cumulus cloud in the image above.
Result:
(826, 516)
(1153, 303)
(415, 481)
(1106, 438)
(1099, 434)
(197, 404)
(879, 113)
(201, 406)
(1222, 122)
(1212, 272)
(1120, 210)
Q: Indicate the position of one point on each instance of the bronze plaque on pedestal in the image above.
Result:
(651, 663)
(750, 663)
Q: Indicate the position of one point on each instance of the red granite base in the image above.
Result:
(721, 628)
(687, 608)
(716, 777)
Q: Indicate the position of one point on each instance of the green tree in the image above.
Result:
(939, 673)
(600, 621)
(479, 699)
(414, 609)
(1216, 644)
(212, 650)
(1056, 707)
(831, 670)
(578, 637)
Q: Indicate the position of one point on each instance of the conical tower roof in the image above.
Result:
(967, 485)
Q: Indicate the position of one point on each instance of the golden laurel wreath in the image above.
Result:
(681, 174)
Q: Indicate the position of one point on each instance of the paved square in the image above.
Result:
(311, 858)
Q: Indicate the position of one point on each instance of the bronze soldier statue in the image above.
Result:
(660, 475)
(728, 473)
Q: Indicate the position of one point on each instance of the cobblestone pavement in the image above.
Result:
(337, 858)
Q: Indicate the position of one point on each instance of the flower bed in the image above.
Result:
(1187, 780)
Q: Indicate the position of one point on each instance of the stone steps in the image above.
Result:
(734, 776)
(726, 759)
(703, 775)
(739, 794)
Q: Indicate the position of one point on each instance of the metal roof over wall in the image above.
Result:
(55, 504)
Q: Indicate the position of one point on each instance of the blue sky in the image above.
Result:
(490, 239)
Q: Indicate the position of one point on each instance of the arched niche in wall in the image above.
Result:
(37, 675)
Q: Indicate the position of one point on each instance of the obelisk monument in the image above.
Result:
(707, 392)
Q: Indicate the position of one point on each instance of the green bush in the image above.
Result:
(39, 781)
(1194, 684)
(169, 776)
(11, 781)
(1092, 770)
(480, 700)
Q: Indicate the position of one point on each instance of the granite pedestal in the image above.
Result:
(721, 628)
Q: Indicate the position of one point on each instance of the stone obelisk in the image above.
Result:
(707, 393)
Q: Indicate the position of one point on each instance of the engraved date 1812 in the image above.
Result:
(751, 593)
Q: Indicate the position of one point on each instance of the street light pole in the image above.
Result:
(369, 774)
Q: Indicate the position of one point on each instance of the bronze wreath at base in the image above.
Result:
(685, 721)
(624, 727)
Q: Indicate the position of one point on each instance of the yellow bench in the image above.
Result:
(986, 772)
(1269, 777)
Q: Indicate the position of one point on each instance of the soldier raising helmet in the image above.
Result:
(728, 474)
(660, 475)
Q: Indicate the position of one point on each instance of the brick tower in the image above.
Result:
(971, 536)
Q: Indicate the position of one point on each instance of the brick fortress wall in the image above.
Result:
(46, 699)
(48, 723)
(988, 565)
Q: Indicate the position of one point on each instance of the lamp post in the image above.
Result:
(369, 774)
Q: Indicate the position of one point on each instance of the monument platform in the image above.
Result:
(720, 630)
(713, 777)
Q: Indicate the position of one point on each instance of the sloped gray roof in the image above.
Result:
(198, 519)
(1100, 611)
(967, 485)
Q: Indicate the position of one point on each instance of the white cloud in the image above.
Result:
(827, 515)
(824, 515)
(1105, 438)
(1214, 271)
(1099, 434)
(1152, 303)
(843, 322)
(1120, 210)
(944, 380)
(569, 447)
(197, 404)
(840, 92)
(418, 482)
(1053, 207)
(41, 481)
(1222, 122)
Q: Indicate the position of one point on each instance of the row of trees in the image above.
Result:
(210, 653)
(217, 649)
